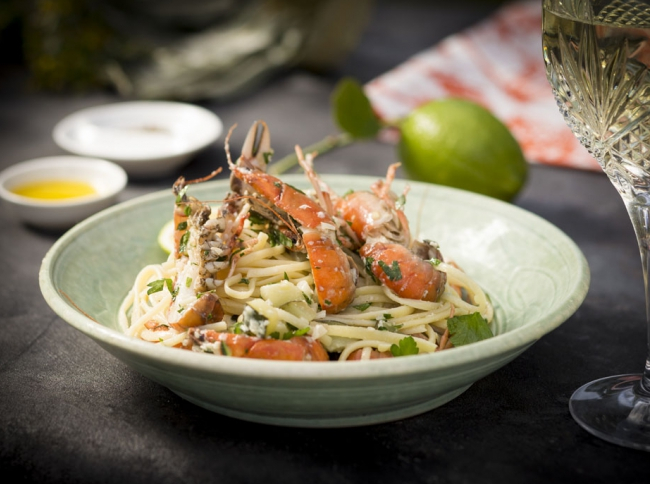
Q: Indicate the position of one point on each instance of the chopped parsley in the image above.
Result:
(225, 349)
(278, 238)
(159, 285)
(467, 329)
(362, 307)
(244, 281)
(384, 326)
(256, 219)
(407, 346)
(435, 262)
(182, 226)
(290, 334)
(182, 247)
(307, 298)
(188, 282)
(188, 210)
(267, 156)
(393, 271)
(234, 253)
(181, 194)
(367, 262)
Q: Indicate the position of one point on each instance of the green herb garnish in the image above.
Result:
(159, 285)
(256, 219)
(393, 328)
(182, 246)
(181, 194)
(393, 271)
(225, 349)
(407, 346)
(467, 329)
(278, 238)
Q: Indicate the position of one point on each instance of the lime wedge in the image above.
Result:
(166, 237)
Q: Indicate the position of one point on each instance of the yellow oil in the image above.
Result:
(55, 189)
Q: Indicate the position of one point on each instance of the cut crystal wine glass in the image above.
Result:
(597, 56)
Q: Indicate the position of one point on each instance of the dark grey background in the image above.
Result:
(70, 412)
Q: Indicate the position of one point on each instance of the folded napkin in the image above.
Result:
(497, 63)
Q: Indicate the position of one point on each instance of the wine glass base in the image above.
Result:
(610, 409)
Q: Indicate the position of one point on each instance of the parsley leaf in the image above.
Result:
(225, 349)
(182, 225)
(367, 262)
(467, 329)
(393, 271)
(362, 307)
(182, 246)
(256, 219)
(181, 194)
(384, 326)
(407, 346)
(278, 238)
(298, 332)
(159, 285)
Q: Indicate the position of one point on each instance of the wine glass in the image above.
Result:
(597, 56)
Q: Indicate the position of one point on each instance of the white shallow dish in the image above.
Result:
(535, 275)
(108, 180)
(146, 138)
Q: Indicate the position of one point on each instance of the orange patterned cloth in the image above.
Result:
(497, 63)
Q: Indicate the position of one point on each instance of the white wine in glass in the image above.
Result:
(597, 56)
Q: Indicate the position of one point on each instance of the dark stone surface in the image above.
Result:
(70, 412)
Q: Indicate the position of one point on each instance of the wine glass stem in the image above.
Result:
(639, 211)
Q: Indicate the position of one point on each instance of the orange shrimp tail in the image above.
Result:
(206, 309)
(357, 209)
(403, 272)
(331, 269)
(298, 348)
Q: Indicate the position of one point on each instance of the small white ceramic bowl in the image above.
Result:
(108, 180)
(148, 139)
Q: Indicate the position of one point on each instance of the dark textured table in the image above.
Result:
(70, 412)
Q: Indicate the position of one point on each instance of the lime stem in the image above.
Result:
(323, 146)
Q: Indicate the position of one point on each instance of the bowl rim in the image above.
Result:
(213, 128)
(116, 182)
(513, 341)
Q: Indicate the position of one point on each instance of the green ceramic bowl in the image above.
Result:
(535, 275)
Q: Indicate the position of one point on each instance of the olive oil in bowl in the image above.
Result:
(55, 190)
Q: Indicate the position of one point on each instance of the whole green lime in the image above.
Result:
(458, 143)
